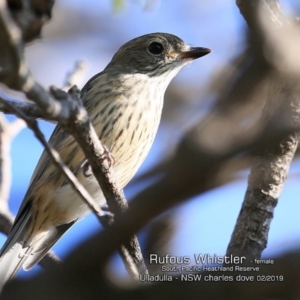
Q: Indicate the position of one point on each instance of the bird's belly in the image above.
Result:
(129, 142)
(129, 162)
(71, 204)
(130, 151)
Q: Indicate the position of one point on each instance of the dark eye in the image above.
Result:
(156, 48)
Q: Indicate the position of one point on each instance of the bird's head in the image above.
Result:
(155, 54)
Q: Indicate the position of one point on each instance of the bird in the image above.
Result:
(124, 103)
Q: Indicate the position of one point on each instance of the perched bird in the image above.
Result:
(124, 103)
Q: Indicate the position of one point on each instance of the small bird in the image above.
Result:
(124, 103)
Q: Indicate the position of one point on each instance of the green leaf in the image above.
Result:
(118, 5)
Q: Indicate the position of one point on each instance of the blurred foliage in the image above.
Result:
(118, 5)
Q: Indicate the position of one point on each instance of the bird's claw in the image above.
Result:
(107, 155)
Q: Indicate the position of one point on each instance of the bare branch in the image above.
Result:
(129, 251)
(30, 16)
(88, 139)
(77, 186)
(268, 173)
(272, 162)
(76, 76)
(18, 76)
(6, 135)
(29, 109)
(7, 132)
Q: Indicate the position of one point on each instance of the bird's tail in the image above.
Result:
(10, 263)
(13, 252)
(26, 245)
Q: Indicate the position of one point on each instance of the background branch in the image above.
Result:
(271, 164)
(7, 132)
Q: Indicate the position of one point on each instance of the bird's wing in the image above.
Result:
(57, 136)
(45, 245)
(15, 252)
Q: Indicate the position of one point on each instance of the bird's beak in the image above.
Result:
(194, 53)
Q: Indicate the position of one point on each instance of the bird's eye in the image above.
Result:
(156, 48)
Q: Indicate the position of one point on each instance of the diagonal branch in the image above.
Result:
(130, 253)
(7, 132)
(66, 109)
(268, 173)
(70, 177)
(272, 161)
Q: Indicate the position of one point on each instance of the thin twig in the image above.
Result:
(130, 252)
(29, 109)
(76, 76)
(7, 132)
(64, 109)
(70, 177)
(117, 207)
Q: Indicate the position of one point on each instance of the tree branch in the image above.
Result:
(7, 133)
(271, 164)
(70, 177)
(62, 108)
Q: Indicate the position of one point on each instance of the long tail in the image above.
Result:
(23, 250)
(13, 254)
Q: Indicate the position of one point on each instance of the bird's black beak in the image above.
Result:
(194, 53)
